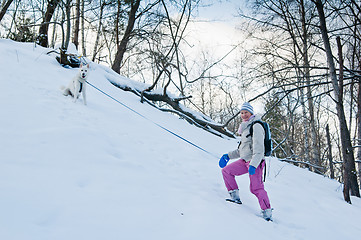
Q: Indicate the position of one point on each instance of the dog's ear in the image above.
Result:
(81, 65)
(87, 65)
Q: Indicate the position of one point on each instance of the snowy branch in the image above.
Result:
(175, 107)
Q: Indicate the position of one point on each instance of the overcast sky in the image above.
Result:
(220, 10)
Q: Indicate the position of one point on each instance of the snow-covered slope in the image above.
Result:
(69, 171)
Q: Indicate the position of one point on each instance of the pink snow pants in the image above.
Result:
(240, 167)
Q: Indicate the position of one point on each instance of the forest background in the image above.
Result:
(297, 61)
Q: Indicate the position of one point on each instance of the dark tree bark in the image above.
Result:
(122, 47)
(77, 24)
(43, 30)
(68, 25)
(83, 46)
(350, 162)
(358, 116)
(5, 8)
(329, 155)
(347, 151)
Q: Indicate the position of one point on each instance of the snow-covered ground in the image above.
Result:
(69, 171)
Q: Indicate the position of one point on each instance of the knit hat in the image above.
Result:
(248, 107)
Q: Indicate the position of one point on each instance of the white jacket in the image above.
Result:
(251, 148)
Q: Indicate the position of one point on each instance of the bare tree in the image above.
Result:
(98, 33)
(67, 6)
(350, 178)
(122, 47)
(305, 43)
(44, 27)
(83, 45)
(5, 8)
(330, 158)
(77, 24)
(358, 116)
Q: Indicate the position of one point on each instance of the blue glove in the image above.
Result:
(251, 170)
(224, 160)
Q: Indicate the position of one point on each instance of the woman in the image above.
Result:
(250, 153)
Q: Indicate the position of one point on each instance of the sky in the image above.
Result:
(221, 11)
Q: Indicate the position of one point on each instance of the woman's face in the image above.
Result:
(245, 115)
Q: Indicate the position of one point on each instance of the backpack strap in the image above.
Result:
(251, 129)
(251, 134)
(264, 170)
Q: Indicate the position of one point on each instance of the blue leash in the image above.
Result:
(141, 115)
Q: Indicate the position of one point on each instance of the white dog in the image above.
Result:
(77, 84)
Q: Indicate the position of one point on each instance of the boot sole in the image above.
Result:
(234, 201)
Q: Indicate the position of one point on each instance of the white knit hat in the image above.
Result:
(248, 107)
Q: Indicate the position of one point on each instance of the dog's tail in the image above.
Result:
(65, 91)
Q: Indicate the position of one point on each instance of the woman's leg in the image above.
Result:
(231, 170)
(257, 187)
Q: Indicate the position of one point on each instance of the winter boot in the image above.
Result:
(267, 214)
(235, 196)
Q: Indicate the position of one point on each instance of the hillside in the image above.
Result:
(71, 172)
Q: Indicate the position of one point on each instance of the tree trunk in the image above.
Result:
(102, 4)
(119, 9)
(76, 25)
(53, 35)
(351, 158)
(329, 155)
(83, 46)
(5, 8)
(358, 117)
(123, 43)
(315, 143)
(43, 30)
(306, 145)
(347, 152)
(306, 75)
(68, 25)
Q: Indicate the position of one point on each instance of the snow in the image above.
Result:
(70, 171)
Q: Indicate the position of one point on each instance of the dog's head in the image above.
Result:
(83, 70)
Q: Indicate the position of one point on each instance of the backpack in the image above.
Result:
(267, 137)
